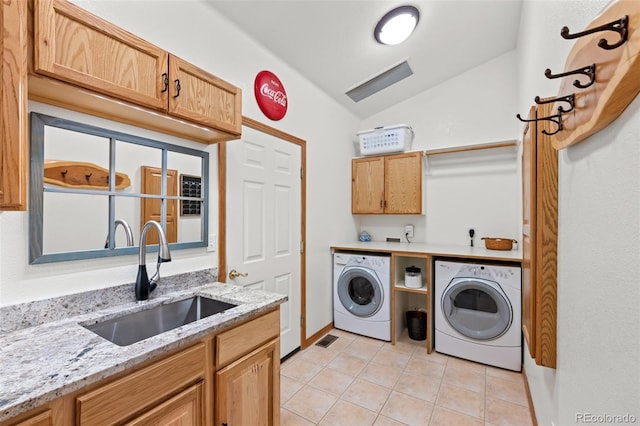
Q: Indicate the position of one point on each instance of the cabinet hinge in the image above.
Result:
(301, 173)
(301, 246)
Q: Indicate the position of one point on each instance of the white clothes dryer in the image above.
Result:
(477, 313)
(362, 294)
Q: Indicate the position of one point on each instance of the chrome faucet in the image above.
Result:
(127, 231)
(144, 285)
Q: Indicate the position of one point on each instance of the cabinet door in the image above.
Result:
(72, 45)
(367, 185)
(183, 409)
(13, 113)
(198, 96)
(248, 391)
(403, 183)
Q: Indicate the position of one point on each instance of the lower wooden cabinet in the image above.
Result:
(143, 390)
(42, 419)
(185, 408)
(247, 390)
(232, 376)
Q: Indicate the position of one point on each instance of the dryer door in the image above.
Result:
(477, 308)
(360, 291)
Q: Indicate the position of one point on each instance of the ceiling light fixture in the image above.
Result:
(397, 25)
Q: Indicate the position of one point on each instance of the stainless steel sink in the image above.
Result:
(137, 326)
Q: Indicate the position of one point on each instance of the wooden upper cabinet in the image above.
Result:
(403, 183)
(76, 47)
(13, 113)
(199, 96)
(389, 184)
(367, 185)
(72, 45)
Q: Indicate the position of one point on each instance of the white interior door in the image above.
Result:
(264, 222)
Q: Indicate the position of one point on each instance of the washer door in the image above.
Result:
(477, 308)
(360, 291)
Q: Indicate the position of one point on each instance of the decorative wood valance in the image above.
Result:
(77, 174)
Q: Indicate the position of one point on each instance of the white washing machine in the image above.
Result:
(477, 313)
(362, 294)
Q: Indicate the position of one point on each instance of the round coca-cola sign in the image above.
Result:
(270, 95)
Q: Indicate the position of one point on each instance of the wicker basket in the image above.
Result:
(498, 243)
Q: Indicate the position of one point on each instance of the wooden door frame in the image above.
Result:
(222, 212)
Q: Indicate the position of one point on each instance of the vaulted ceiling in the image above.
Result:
(331, 42)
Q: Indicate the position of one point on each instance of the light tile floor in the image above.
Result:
(362, 381)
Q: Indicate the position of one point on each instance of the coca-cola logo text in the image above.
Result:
(276, 96)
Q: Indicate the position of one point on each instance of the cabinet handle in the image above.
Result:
(385, 204)
(177, 88)
(165, 80)
(380, 203)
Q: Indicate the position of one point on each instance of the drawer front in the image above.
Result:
(142, 389)
(241, 340)
(43, 419)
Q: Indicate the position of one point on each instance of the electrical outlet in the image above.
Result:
(408, 230)
(213, 242)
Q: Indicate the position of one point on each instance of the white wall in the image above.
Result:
(476, 189)
(198, 34)
(599, 240)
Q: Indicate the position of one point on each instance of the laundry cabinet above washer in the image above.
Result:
(389, 184)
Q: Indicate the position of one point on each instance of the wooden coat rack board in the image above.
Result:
(77, 174)
(601, 77)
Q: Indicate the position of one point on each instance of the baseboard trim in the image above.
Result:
(532, 410)
(317, 335)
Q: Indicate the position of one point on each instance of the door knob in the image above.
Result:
(233, 274)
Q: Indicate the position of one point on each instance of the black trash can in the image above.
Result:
(417, 325)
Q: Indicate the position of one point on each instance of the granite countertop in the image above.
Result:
(48, 360)
(442, 250)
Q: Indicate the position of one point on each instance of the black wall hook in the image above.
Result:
(589, 71)
(556, 118)
(570, 99)
(621, 26)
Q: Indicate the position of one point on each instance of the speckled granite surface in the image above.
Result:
(46, 361)
(30, 314)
